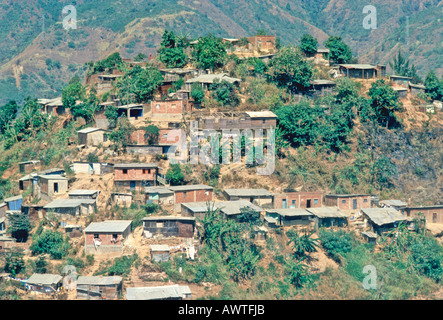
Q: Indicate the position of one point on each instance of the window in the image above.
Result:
(206, 193)
(315, 201)
(159, 224)
(173, 106)
(114, 236)
(365, 200)
(294, 202)
(125, 171)
(144, 171)
(149, 171)
(165, 135)
(343, 201)
(96, 236)
(157, 106)
(185, 194)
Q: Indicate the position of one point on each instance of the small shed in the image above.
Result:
(84, 194)
(14, 203)
(160, 252)
(162, 195)
(329, 216)
(28, 166)
(172, 292)
(122, 198)
(169, 226)
(292, 216)
(99, 288)
(382, 219)
(369, 236)
(73, 207)
(49, 185)
(44, 283)
(92, 136)
(259, 197)
(395, 204)
(106, 236)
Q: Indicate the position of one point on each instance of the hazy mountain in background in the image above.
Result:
(38, 56)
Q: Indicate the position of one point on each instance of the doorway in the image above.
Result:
(308, 203)
(354, 203)
(55, 187)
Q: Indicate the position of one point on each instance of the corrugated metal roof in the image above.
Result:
(161, 190)
(159, 247)
(108, 226)
(52, 177)
(135, 165)
(347, 195)
(358, 66)
(261, 114)
(211, 78)
(290, 212)
(191, 187)
(226, 207)
(68, 203)
(83, 192)
(89, 130)
(159, 218)
(248, 192)
(397, 203)
(156, 293)
(44, 279)
(14, 198)
(382, 216)
(327, 212)
(98, 280)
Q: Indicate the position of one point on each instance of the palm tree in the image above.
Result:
(302, 244)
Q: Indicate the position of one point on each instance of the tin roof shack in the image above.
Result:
(52, 107)
(121, 198)
(205, 80)
(401, 91)
(432, 214)
(401, 80)
(73, 230)
(260, 197)
(230, 209)
(161, 195)
(237, 120)
(329, 217)
(72, 207)
(298, 200)
(99, 288)
(135, 176)
(172, 292)
(28, 166)
(395, 204)
(132, 111)
(106, 236)
(49, 185)
(291, 217)
(14, 203)
(321, 87)
(160, 252)
(97, 168)
(84, 194)
(191, 193)
(382, 220)
(415, 89)
(360, 71)
(31, 179)
(92, 136)
(169, 226)
(369, 237)
(44, 283)
(348, 201)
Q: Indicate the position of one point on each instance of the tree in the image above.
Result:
(384, 102)
(73, 92)
(434, 87)
(336, 243)
(339, 51)
(197, 93)
(41, 265)
(140, 57)
(14, 262)
(302, 244)
(401, 67)
(382, 172)
(111, 114)
(51, 242)
(288, 69)
(224, 92)
(121, 136)
(92, 158)
(172, 51)
(175, 175)
(346, 90)
(19, 227)
(308, 44)
(210, 53)
(151, 134)
(297, 273)
(8, 113)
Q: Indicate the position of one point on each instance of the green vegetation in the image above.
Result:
(51, 242)
(171, 51)
(434, 87)
(339, 51)
(19, 226)
(175, 175)
(225, 93)
(308, 44)
(209, 52)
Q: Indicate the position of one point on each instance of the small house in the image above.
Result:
(395, 204)
(49, 185)
(134, 176)
(160, 252)
(401, 80)
(132, 111)
(171, 292)
(160, 195)
(14, 203)
(52, 107)
(260, 197)
(72, 230)
(298, 200)
(44, 283)
(329, 217)
(206, 80)
(191, 193)
(99, 288)
(348, 201)
(415, 89)
(106, 236)
(169, 226)
(230, 209)
(93, 168)
(290, 217)
(84, 194)
(321, 87)
(168, 109)
(92, 136)
(401, 91)
(432, 214)
(121, 198)
(369, 237)
(360, 71)
(28, 166)
(72, 207)
(382, 219)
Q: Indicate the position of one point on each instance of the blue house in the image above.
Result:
(14, 203)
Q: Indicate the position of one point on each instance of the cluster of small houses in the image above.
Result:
(187, 203)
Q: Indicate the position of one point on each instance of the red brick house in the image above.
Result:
(298, 200)
(432, 214)
(261, 43)
(191, 193)
(106, 236)
(132, 176)
(348, 201)
(164, 109)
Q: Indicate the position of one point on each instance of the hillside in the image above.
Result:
(38, 56)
